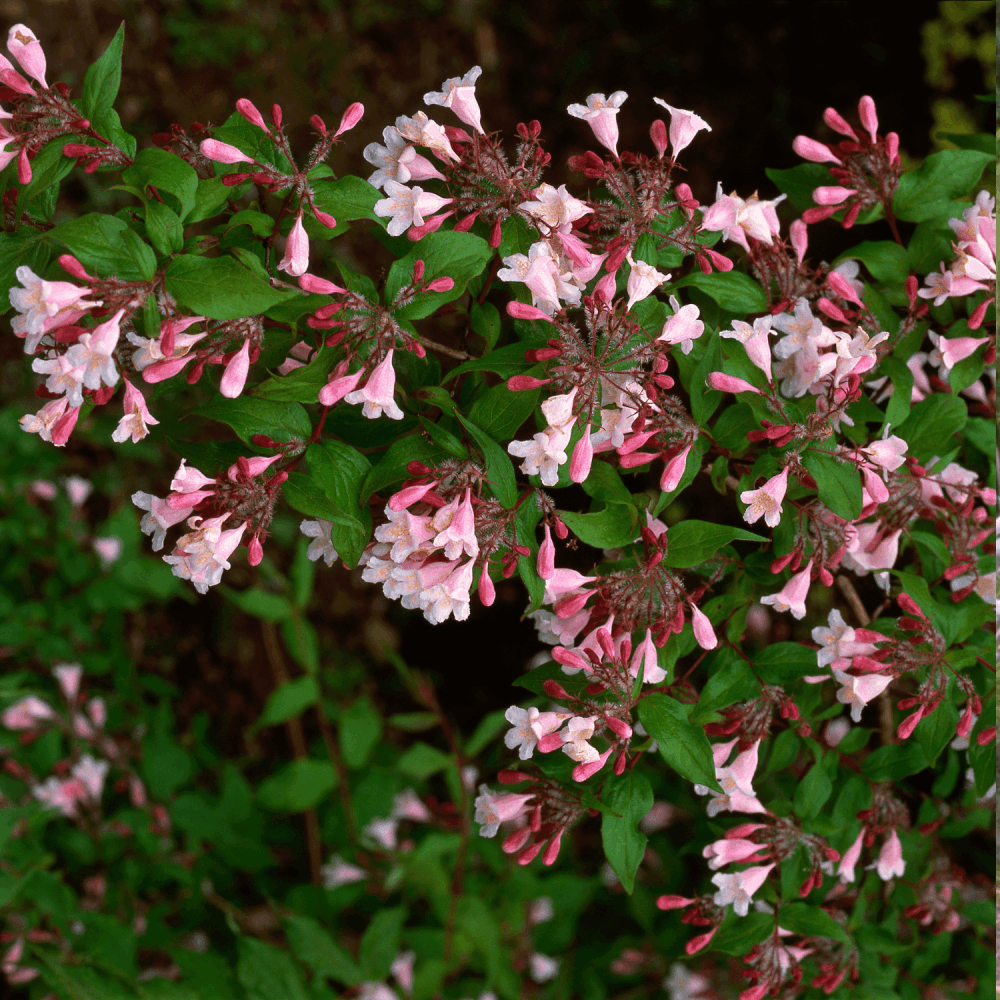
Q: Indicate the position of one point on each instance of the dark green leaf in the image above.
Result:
(346, 199)
(299, 785)
(885, 260)
(800, 182)
(220, 287)
(812, 792)
(301, 385)
(391, 469)
(783, 661)
(267, 973)
(499, 468)
(248, 416)
(380, 943)
(100, 85)
(359, 728)
(314, 947)
(459, 256)
(738, 935)
(628, 797)
(141, 253)
(734, 682)
(165, 172)
(288, 701)
(505, 361)
(810, 921)
(692, 542)
(925, 193)
(838, 484)
(735, 291)
(340, 470)
(95, 240)
(21, 248)
(684, 746)
(611, 528)
(500, 412)
(261, 603)
(164, 228)
(893, 762)
(935, 731)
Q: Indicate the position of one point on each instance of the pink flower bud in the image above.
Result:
(234, 378)
(487, 592)
(296, 259)
(324, 218)
(546, 565)
(729, 383)
(669, 902)
(520, 383)
(255, 551)
(800, 238)
(673, 471)
(338, 388)
(842, 287)
(15, 81)
(320, 286)
(869, 119)
(23, 166)
(908, 724)
(521, 310)
(892, 147)
(552, 850)
(222, 152)
(699, 942)
(350, 118)
(832, 195)
(582, 458)
(703, 631)
(810, 149)
(838, 124)
(251, 114)
(517, 840)
(444, 284)
(618, 726)
(658, 133)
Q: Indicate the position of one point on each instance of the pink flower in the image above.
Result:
(729, 383)
(837, 643)
(722, 852)
(871, 546)
(645, 656)
(339, 387)
(459, 94)
(45, 305)
(92, 353)
(377, 392)
(739, 888)
(493, 808)
(24, 714)
(91, 774)
(673, 471)
(683, 327)
(137, 418)
(703, 631)
(456, 527)
(858, 691)
(350, 118)
(234, 377)
(421, 130)
(202, 555)
(766, 501)
(321, 545)
(337, 872)
(810, 149)
(68, 675)
(890, 858)
(407, 206)
(24, 46)
(296, 259)
(754, 341)
(791, 597)
(398, 161)
(187, 479)
(529, 726)
(643, 280)
(43, 422)
(63, 377)
(601, 114)
(850, 859)
(222, 152)
(737, 219)
(555, 207)
(684, 126)
(949, 351)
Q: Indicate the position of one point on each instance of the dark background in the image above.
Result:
(759, 72)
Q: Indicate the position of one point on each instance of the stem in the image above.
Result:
(293, 727)
(450, 351)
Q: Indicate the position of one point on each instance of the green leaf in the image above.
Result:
(301, 385)
(784, 661)
(683, 746)
(164, 228)
(735, 291)
(885, 260)
(984, 758)
(248, 416)
(48, 168)
(267, 973)
(628, 797)
(505, 361)
(800, 182)
(738, 935)
(141, 253)
(391, 469)
(732, 683)
(615, 526)
(484, 318)
(932, 424)
(812, 792)
(210, 199)
(261, 604)
(314, 947)
(380, 943)
(103, 78)
(944, 619)
(893, 762)
(500, 412)
(692, 542)
(21, 248)
(298, 786)
(359, 728)
(346, 199)
(96, 241)
(838, 484)
(303, 493)
(220, 287)
(499, 468)
(422, 760)
(942, 177)
(459, 256)
(811, 921)
(854, 795)
(902, 384)
(288, 701)
(166, 172)
(340, 470)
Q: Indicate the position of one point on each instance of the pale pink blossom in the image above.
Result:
(791, 597)
(703, 632)
(754, 341)
(888, 452)
(858, 691)
(804, 369)
(459, 94)
(109, 549)
(890, 858)
(203, 554)
(766, 501)
(800, 329)
(601, 114)
(421, 130)
(407, 206)
(43, 422)
(93, 353)
(739, 888)
(187, 479)
(377, 392)
(845, 871)
(222, 152)
(542, 968)
(448, 596)
(25, 47)
(137, 418)
(984, 585)
(59, 794)
(725, 851)
(575, 738)
(151, 351)
(91, 774)
(494, 808)
(321, 546)
(410, 535)
(837, 643)
(684, 327)
(46, 305)
(337, 872)
(684, 126)
(159, 518)
(398, 161)
(645, 656)
(456, 527)
(737, 219)
(296, 259)
(948, 351)
(64, 377)
(408, 805)
(529, 726)
(555, 207)
(643, 280)
(736, 781)
(26, 713)
(871, 546)
(68, 675)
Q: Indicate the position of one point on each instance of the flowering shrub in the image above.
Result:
(845, 415)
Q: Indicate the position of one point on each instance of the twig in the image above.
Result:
(297, 738)
(450, 351)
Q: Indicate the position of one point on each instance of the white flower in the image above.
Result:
(321, 546)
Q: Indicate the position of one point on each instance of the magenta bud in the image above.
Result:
(351, 117)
